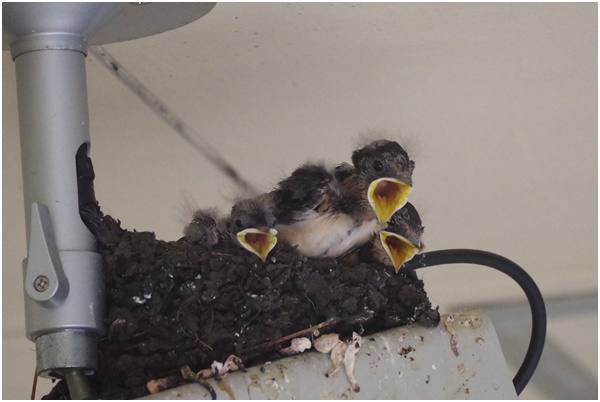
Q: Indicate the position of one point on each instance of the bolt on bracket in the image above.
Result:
(44, 277)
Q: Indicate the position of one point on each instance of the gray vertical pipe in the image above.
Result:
(64, 292)
(53, 119)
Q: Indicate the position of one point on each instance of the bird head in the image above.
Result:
(401, 240)
(204, 227)
(251, 224)
(388, 169)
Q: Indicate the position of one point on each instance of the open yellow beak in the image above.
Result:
(386, 196)
(399, 249)
(258, 242)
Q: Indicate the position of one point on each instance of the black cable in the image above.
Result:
(518, 274)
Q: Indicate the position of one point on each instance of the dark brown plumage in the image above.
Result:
(325, 212)
(250, 225)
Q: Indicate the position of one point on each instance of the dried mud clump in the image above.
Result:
(171, 304)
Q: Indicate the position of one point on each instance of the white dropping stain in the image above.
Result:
(197, 276)
(433, 367)
(386, 347)
(253, 296)
(147, 296)
(273, 384)
(402, 335)
(386, 344)
(139, 300)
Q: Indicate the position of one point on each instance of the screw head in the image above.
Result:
(41, 283)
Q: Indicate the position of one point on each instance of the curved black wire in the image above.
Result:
(518, 274)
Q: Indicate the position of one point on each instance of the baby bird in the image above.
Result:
(250, 224)
(204, 228)
(325, 212)
(383, 171)
(399, 242)
(310, 209)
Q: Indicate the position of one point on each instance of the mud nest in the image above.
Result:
(176, 303)
(170, 304)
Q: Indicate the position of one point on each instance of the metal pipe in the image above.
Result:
(79, 387)
(411, 362)
(64, 291)
(53, 120)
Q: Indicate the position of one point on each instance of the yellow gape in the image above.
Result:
(258, 242)
(398, 248)
(386, 196)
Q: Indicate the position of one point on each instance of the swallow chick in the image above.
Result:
(401, 239)
(310, 211)
(385, 168)
(204, 227)
(398, 243)
(325, 212)
(250, 225)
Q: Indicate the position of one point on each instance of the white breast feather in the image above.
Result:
(325, 235)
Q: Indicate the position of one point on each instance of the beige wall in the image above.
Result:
(497, 104)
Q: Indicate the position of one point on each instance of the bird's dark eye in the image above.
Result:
(238, 223)
(377, 165)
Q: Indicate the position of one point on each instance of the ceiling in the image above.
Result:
(496, 103)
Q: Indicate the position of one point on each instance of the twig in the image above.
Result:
(270, 344)
(34, 385)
